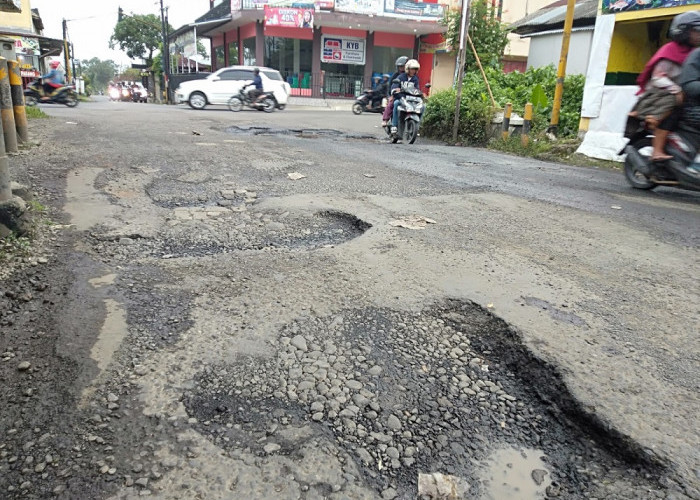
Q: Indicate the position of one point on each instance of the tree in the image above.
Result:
(489, 35)
(99, 72)
(138, 35)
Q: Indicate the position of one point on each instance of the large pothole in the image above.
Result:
(304, 133)
(403, 393)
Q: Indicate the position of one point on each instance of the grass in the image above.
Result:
(542, 148)
(35, 112)
(14, 246)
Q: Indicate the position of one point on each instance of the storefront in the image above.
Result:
(626, 36)
(330, 48)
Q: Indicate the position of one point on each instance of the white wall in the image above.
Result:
(546, 49)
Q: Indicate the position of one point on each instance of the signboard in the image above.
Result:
(294, 4)
(289, 17)
(27, 46)
(359, 6)
(615, 6)
(342, 49)
(414, 9)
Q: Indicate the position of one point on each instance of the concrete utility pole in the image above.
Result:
(561, 72)
(66, 54)
(166, 50)
(460, 65)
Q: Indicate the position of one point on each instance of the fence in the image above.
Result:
(327, 85)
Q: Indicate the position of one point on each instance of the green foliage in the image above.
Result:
(98, 73)
(489, 35)
(35, 112)
(138, 35)
(536, 85)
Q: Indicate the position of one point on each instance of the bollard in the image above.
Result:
(5, 189)
(6, 113)
(17, 92)
(506, 120)
(527, 124)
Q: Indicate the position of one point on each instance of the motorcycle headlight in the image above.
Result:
(125, 93)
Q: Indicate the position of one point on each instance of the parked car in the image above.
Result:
(218, 87)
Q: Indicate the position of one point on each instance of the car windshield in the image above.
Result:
(273, 75)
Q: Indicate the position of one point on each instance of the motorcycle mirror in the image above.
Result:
(427, 85)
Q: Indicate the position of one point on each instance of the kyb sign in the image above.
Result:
(342, 49)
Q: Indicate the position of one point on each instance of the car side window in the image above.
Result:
(244, 75)
(229, 75)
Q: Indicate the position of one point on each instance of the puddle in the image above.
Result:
(516, 475)
(554, 312)
(111, 335)
(107, 279)
(85, 204)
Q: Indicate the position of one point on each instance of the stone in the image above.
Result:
(271, 448)
(393, 423)
(300, 343)
(538, 476)
(365, 456)
(12, 216)
(389, 494)
(317, 417)
(142, 481)
(140, 370)
(316, 406)
(24, 366)
(112, 398)
(441, 487)
(392, 452)
(354, 384)
(375, 370)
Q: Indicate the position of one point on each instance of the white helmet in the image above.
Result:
(412, 64)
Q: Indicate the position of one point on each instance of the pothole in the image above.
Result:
(405, 393)
(304, 133)
(171, 193)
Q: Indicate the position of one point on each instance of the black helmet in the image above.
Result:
(682, 25)
(256, 71)
(401, 61)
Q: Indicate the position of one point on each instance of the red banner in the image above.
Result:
(289, 17)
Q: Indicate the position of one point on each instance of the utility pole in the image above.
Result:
(561, 72)
(66, 54)
(460, 65)
(166, 50)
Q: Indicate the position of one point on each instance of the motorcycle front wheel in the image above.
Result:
(410, 131)
(636, 178)
(357, 108)
(235, 104)
(30, 100)
(71, 99)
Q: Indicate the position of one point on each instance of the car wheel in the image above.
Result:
(197, 100)
(281, 107)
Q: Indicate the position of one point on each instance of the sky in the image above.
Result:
(91, 22)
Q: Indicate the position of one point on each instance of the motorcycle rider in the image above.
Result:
(410, 77)
(258, 90)
(400, 69)
(690, 113)
(377, 92)
(52, 80)
(660, 91)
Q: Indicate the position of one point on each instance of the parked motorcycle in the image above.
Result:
(364, 102)
(682, 170)
(265, 102)
(63, 95)
(410, 103)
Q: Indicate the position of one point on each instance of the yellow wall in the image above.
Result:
(443, 71)
(21, 20)
(630, 48)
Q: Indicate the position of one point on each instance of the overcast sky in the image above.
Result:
(91, 22)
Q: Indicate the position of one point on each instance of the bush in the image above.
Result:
(536, 85)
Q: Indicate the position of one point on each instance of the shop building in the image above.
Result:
(329, 48)
(626, 36)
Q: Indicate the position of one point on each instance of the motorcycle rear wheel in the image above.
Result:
(637, 179)
(235, 104)
(71, 99)
(410, 131)
(357, 108)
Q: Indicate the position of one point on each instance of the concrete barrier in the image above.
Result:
(6, 110)
(17, 91)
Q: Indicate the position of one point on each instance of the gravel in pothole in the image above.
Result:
(403, 393)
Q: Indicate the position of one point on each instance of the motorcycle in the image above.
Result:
(265, 102)
(63, 95)
(682, 170)
(364, 102)
(410, 103)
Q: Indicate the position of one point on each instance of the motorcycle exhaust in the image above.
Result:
(639, 162)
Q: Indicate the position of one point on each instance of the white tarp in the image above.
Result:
(597, 66)
(604, 138)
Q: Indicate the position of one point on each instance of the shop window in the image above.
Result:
(249, 52)
(219, 57)
(232, 53)
(291, 57)
(385, 58)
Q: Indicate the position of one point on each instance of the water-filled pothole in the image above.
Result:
(401, 393)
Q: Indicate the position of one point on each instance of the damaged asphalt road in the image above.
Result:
(190, 322)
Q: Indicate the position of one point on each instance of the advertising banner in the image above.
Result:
(359, 6)
(615, 6)
(414, 9)
(289, 17)
(294, 4)
(342, 49)
(26, 46)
